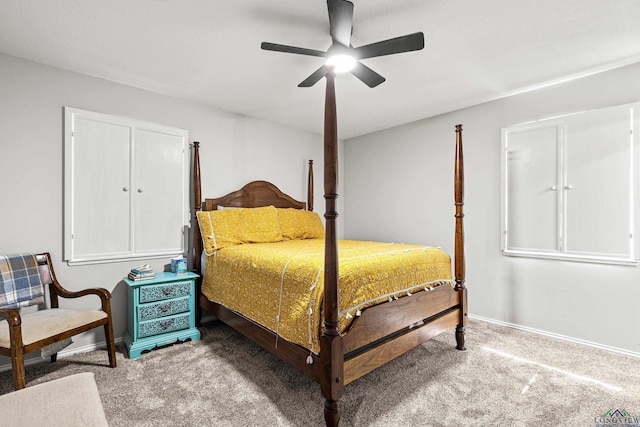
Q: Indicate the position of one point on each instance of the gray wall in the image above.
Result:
(399, 187)
(235, 149)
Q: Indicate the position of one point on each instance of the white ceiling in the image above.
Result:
(209, 51)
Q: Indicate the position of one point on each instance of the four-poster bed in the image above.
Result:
(378, 333)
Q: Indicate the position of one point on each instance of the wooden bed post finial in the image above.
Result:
(310, 187)
(459, 239)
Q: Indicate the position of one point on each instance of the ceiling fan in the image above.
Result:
(344, 57)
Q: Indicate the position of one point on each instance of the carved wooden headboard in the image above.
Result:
(253, 195)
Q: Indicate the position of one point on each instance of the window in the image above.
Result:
(568, 187)
(126, 188)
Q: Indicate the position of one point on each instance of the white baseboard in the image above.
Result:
(558, 336)
(63, 353)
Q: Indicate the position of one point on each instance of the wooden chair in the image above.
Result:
(24, 333)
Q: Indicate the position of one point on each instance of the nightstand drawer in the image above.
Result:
(164, 291)
(163, 325)
(163, 308)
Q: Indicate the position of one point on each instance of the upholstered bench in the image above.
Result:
(70, 401)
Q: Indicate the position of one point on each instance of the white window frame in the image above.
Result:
(561, 253)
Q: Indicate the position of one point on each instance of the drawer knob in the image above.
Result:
(166, 324)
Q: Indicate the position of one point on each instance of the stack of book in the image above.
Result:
(144, 272)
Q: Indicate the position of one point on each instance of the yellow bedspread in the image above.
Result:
(280, 285)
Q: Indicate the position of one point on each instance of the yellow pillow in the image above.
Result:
(300, 224)
(228, 227)
(259, 225)
(218, 229)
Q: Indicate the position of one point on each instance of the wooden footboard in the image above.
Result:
(388, 330)
(372, 358)
(383, 320)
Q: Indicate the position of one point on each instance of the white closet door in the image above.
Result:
(160, 190)
(597, 183)
(532, 177)
(101, 189)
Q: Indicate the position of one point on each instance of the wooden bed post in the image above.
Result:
(310, 187)
(197, 240)
(331, 342)
(459, 239)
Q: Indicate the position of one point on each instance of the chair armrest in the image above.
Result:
(100, 292)
(104, 295)
(11, 315)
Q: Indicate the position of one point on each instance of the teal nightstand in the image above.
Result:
(161, 312)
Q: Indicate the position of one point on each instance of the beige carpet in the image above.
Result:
(505, 378)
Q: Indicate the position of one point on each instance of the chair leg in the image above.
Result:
(54, 357)
(17, 354)
(111, 346)
(17, 366)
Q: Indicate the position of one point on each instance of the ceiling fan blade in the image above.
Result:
(367, 75)
(400, 44)
(291, 49)
(340, 21)
(313, 78)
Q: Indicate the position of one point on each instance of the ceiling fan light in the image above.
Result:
(341, 63)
